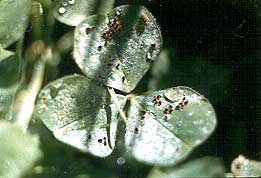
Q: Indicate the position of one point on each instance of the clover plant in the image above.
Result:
(114, 48)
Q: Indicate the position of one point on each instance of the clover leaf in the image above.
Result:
(17, 12)
(80, 113)
(73, 12)
(18, 151)
(117, 49)
(201, 167)
(242, 166)
(169, 124)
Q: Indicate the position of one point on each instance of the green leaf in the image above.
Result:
(80, 113)
(73, 12)
(18, 151)
(202, 167)
(9, 76)
(9, 67)
(117, 49)
(13, 20)
(6, 100)
(242, 166)
(169, 124)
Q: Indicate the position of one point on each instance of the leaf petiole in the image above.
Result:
(115, 100)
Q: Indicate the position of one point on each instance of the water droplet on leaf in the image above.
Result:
(62, 10)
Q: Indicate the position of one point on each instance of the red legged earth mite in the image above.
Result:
(142, 114)
(99, 48)
(89, 136)
(168, 110)
(156, 100)
(136, 130)
(123, 78)
(88, 30)
(183, 103)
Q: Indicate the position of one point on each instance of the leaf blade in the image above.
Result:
(80, 113)
(73, 12)
(13, 20)
(169, 133)
(18, 151)
(119, 50)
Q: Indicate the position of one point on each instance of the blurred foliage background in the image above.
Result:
(212, 46)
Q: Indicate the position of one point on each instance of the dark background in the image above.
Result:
(225, 35)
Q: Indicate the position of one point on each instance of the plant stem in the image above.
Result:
(37, 20)
(115, 100)
(27, 97)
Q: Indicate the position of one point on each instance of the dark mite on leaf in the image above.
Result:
(156, 100)
(136, 130)
(168, 110)
(88, 30)
(99, 48)
(123, 79)
(100, 140)
(142, 113)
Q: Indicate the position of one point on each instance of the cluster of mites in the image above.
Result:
(157, 101)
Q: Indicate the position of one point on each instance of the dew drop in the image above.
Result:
(118, 12)
(121, 160)
(148, 56)
(62, 10)
(71, 2)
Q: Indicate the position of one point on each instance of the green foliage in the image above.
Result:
(96, 113)
(242, 166)
(16, 11)
(73, 12)
(9, 66)
(207, 166)
(18, 151)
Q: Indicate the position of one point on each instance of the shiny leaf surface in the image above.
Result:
(73, 12)
(169, 124)
(80, 113)
(203, 167)
(13, 20)
(117, 49)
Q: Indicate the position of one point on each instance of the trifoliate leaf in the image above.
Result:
(80, 113)
(242, 166)
(117, 49)
(13, 20)
(18, 151)
(203, 167)
(73, 12)
(169, 124)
